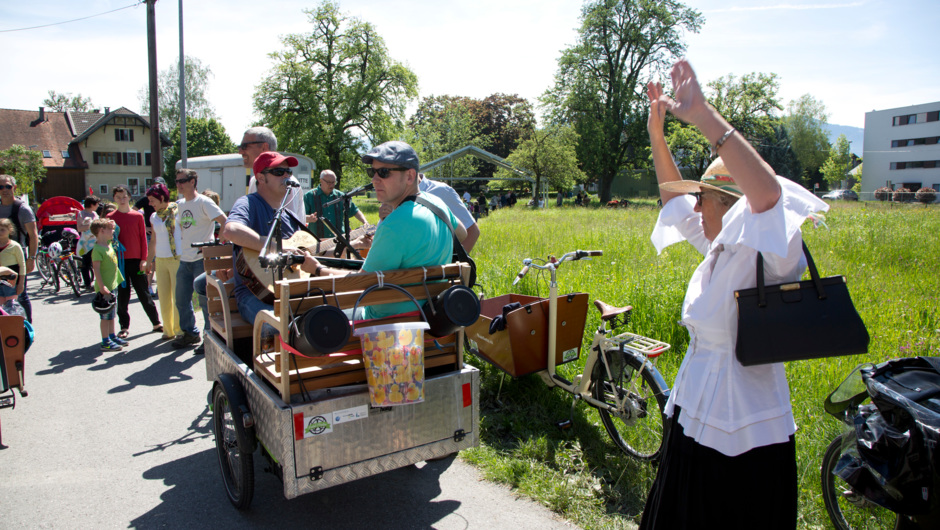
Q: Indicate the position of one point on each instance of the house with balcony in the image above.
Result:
(902, 149)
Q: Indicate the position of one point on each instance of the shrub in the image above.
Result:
(883, 194)
(926, 195)
(903, 195)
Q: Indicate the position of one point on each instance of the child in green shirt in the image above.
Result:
(107, 277)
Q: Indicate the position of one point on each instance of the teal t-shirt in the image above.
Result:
(313, 203)
(411, 236)
(111, 275)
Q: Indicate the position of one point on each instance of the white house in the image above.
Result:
(902, 148)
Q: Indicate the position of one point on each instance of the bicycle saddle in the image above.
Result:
(609, 312)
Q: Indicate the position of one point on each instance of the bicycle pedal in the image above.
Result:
(563, 425)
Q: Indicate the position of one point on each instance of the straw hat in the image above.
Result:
(716, 178)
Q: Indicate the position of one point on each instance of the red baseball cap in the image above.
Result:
(269, 159)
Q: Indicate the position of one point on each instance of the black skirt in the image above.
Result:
(699, 487)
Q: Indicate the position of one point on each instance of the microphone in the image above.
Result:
(291, 183)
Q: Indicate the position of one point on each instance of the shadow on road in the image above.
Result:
(404, 498)
(168, 368)
(201, 427)
(72, 359)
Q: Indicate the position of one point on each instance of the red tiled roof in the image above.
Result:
(53, 134)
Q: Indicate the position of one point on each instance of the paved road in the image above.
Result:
(118, 440)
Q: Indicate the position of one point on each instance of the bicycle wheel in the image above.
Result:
(44, 265)
(72, 276)
(235, 461)
(56, 267)
(849, 510)
(634, 418)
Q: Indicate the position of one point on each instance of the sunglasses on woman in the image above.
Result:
(383, 172)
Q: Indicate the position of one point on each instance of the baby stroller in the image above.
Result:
(58, 237)
(884, 469)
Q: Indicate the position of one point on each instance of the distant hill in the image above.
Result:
(855, 135)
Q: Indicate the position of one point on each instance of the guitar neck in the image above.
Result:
(327, 245)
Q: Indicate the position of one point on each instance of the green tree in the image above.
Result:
(204, 136)
(550, 155)
(443, 124)
(168, 94)
(504, 121)
(777, 151)
(689, 146)
(600, 80)
(332, 88)
(60, 102)
(834, 169)
(805, 122)
(749, 103)
(24, 164)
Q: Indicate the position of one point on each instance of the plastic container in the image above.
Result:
(393, 355)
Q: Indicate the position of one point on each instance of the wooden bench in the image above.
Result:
(224, 318)
(346, 367)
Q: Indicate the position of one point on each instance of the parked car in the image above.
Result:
(841, 195)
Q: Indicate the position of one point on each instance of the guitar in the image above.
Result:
(327, 247)
(259, 279)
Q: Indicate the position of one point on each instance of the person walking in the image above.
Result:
(163, 257)
(24, 220)
(133, 236)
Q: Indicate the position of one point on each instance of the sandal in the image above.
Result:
(123, 334)
(158, 327)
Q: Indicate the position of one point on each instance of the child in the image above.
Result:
(107, 277)
(11, 256)
(87, 240)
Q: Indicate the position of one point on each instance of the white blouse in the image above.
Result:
(726, 406)
(161, 237)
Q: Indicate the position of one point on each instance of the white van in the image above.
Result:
(227, 176)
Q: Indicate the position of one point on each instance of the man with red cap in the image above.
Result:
(251, 217)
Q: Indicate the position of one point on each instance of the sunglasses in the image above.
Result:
(244, 145)
(6, 186)
(182, 181)
(698, 197)
(383, 172)
(279, 171)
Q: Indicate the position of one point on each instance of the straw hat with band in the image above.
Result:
(716, 178)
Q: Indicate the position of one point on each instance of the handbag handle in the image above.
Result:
(814, 274)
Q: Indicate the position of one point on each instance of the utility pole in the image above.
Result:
(156, 149)
(182, 93)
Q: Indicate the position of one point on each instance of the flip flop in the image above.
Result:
(123, 334)
(158, 327)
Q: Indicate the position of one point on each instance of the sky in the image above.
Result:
(854, 56)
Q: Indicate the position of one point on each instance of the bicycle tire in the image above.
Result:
(848, 510)
(44, 266)
(638, 428)
(235, 460)
(56, 271)
(71, 277)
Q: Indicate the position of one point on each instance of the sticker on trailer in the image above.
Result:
(353, 414)
(570, 355)
(309, 426)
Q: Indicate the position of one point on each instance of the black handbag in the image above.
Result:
(809, 319)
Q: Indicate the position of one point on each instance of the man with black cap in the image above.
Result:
(250, 219)
(412, 235)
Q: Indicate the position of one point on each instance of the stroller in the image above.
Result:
(884, 468)
(58, 238)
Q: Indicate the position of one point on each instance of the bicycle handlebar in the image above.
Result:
(199, 244)
(555, 263)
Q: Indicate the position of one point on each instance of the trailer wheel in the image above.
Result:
(234, 447)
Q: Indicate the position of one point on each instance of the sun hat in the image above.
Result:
(269, 159)
(716, 178)
(398, 153)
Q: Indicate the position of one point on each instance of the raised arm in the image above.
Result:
(750, 172)
(666, 170)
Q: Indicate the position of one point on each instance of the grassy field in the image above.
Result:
(887, 252)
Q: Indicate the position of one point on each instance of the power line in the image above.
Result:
(73, 20)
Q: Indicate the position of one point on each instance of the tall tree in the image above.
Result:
(550, 155)
(749, 103)
(196, 82)
(839, 163)
(24, 164)
(805, 122)
(443, 124)
(504, 120)
(60, 102)
(777, 151)
(332, 87)
(204, 136)
(599, 83)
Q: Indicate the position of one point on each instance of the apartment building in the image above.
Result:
(902, 148)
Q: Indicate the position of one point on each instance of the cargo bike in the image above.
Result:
(524, 335)
(327, 403)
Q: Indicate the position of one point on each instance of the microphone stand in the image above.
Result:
(277, 260)
(346, 199)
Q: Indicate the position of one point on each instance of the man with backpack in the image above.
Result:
(24, 219)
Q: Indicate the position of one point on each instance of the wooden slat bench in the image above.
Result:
(346, 367)
(224, 318)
